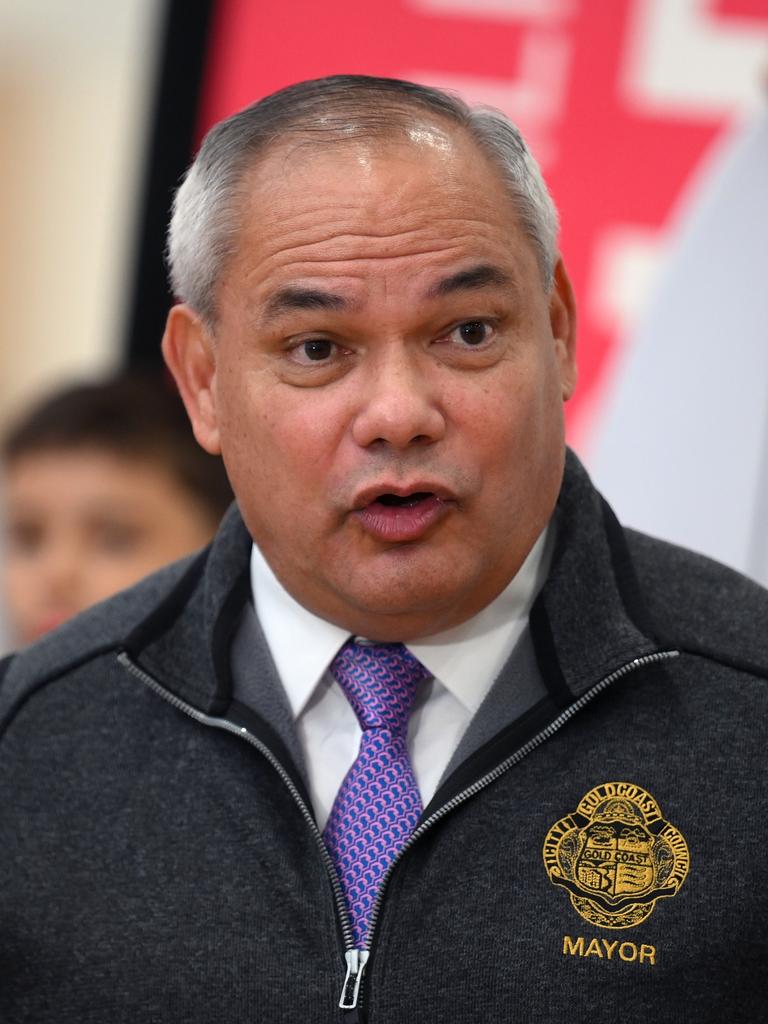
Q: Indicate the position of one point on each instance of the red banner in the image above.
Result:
(602, 91)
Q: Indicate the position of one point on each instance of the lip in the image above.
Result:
(369, 494)
(399, 524)
(50, 621)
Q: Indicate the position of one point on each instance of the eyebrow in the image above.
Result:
(473, 278)
(293, 297)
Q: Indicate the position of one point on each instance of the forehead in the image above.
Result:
(72, 468)
(416, 204)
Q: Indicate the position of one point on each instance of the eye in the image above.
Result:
(471, 332)
(25, 538)
(314, 350)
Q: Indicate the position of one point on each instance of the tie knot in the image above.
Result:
(379, 681)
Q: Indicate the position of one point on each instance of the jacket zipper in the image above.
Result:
(238, 730)
(496, 773)
(356, 960)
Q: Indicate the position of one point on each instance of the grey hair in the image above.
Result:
(205, 222)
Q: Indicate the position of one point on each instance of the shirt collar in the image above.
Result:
(466, 659)
(301, 643)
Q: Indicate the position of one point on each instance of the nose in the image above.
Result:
(400, 404)
(61, 568)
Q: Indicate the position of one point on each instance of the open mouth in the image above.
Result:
(399, 518)
(403, 500)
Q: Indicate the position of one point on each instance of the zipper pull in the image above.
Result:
(356, 961)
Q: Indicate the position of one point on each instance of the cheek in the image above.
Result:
(106, 576)
(281, 435)
(513, 428)
(500, 413)
(18, 585)
(249, 428)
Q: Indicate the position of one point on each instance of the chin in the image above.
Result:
(392, 617)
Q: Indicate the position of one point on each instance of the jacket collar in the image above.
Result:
(185, 641)
(589, 619)
(587, 622)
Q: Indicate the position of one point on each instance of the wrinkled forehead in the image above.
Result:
(413, 142)
(425, 200)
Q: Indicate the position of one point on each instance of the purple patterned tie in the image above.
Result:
(378, 804)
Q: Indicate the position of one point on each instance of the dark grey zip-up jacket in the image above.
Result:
(600, 858)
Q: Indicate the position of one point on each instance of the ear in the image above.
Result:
(190, 355)
(562, 318)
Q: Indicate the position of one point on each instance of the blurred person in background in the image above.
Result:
(103, 484)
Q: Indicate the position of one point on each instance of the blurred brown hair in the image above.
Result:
(133, 416)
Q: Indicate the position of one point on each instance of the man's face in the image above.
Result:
(385, 380)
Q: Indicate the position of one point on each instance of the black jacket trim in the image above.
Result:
(494, 752)
(624, 572)
(546, 654)
(165, 614)
(223, 633)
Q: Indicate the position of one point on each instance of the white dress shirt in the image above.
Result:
(464, 662)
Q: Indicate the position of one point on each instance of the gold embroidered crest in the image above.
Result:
(616, 855)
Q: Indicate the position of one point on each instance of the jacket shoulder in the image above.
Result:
(701, 606)
(97, 630)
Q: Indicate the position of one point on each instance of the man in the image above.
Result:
(377, 333)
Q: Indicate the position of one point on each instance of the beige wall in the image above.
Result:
(75, 77)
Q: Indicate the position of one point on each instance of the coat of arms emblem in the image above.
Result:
(616, 855)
